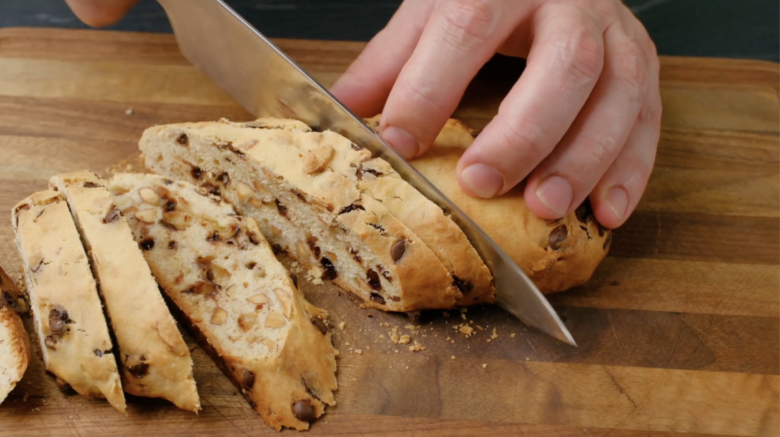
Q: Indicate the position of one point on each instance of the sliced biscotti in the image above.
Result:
(222, 275)
(317, 215)
(377, 179)
(67, 312)
(154, 360)
(557, 255)
(14, 342)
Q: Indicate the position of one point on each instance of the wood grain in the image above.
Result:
(677, 330)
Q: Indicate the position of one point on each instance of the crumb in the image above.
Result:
(453, 342)
(452, 357)
(463, 316)
(346, 344)
(335, 352)
(445, 314)
(488, 340)
(527, 359)
(368, 348)
(512, 335)
(342, 325)
(466, 329)
(464, 310)
(394, 337)
(359, 351)
(405, 339)
(416, 347)
(129, 111)
(494, 336)
(484, 365)
(407, 367)
(396, 351)
(448, 339)
(381, 336)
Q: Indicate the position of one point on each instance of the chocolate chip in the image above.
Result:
(10, 301)
(299, 195)
(361, 171)
(211, 189)
(58, 319)
(167, 181)
(351, 208)
(465, 287)
(229, 146)
(250, 265)
(196, 172)
(395, 298)
(112, 215)
(140, 369)
(330, 270)
(170, 205)
(376, 298)
(398, 249)
(373, 279)
(557, 236)
(247, 379)
(387, 276)
(303, 411)
(277, 249)
(147, 244)
(356, 147)
(183, 140)
(172, 244)
(214, 236)
(608, 241)
(252, 238)
(282, 209)
(90, 184)
(64, 387)
(320, 324)
(584, 212)
(51, 342)
(224, 178)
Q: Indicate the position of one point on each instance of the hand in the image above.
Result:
(100, 13)
(582, 121)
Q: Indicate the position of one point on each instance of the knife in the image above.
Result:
(267, 83)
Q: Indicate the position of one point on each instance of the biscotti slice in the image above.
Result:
(557, 255)
(315, 214)
(14, 342)
(242, 305)
(67, 312)
(376, 178)
(154, 360)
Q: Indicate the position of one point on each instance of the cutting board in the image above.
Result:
(677, 330)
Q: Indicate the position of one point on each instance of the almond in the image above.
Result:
(176, 220)
(256, 203)
(258, 299)
(247, 320)
(270, 344)
(244, 191)
(332, 257)
(219, 316)
(149, 196)
(275, 320)
(315, 159)
(285, 299)
(302, 250)
(147, 215)
(275, 231)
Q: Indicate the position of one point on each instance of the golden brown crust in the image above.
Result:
(154, 359)
(68, 315)
(16, 345)
(579, 242)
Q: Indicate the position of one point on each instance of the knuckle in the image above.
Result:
(651, 113)
(630, 69)
(467, 20)
(600, 150)
(421, 96)
(581, 56)
(531, 140)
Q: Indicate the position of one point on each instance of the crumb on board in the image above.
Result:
(452, 357)
(484, 365)
(512, 335)
(359, 351)
(129, 111)
(342, 325)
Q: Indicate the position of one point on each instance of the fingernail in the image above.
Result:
(400, 140)
(617, 200)
(482, 180)
(556, 194)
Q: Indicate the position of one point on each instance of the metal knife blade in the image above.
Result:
(268, 83)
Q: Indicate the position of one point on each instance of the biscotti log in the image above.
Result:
(67, 311)
(239, 300)
(154, 360)
(556, 255)
(14, 342)
(294, 183)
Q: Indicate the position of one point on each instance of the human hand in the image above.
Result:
(582, 121)
(100, 13)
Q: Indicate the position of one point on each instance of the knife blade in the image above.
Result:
(267, 83)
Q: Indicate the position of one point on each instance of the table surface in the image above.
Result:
(717, 28)
(678, 329)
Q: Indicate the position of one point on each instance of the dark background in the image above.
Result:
(718, 28)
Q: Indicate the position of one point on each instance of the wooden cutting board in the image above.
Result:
(678, 329)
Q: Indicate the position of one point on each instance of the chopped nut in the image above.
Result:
(149, 196)
(176, 220)
(258, 299)
(332, 256)
(275, 231)
(244, 191)
(405, 339)
(270, 344)
(247, 320)
(147, 215)
(219, 316)
(275, 320)
(285, 299)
